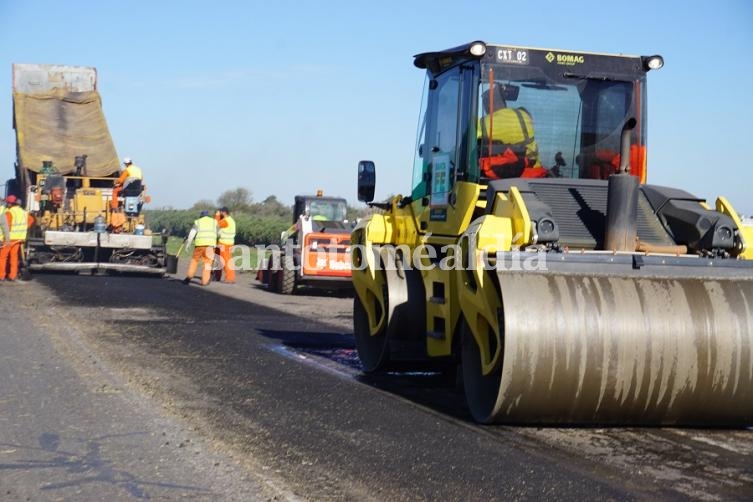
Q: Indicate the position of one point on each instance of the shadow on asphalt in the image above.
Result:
(312, 291)
(85, 464)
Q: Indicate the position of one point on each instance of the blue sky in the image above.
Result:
(285, 97)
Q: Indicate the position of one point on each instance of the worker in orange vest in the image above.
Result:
(203, 234)
(131, 172)
(15, 225)
(225, 242)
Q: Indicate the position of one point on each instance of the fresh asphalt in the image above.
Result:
(241, 378)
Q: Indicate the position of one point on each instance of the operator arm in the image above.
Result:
(122, 178)
(191, 235)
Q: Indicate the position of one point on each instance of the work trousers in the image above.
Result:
(114, 202)
(226, 255)
(115, 194)
(10, 250)
(206, 255)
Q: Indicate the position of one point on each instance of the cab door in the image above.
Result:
(441, 150)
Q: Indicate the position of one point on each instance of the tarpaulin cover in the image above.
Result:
(59, 125)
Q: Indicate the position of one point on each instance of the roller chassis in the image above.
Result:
(642, 311)
(393, 332)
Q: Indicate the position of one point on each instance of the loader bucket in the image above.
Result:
(609, 341)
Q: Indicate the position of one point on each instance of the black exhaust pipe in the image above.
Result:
(622, 200)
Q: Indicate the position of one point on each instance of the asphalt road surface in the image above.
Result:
(141, 388)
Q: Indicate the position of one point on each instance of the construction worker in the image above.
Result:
(2, 218)
(225, 241)
(203, 234)
(512, 128)
(131, 172)
(15, 226)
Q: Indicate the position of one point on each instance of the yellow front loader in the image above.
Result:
(532, 253)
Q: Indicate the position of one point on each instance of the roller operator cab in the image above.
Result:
(532, 253)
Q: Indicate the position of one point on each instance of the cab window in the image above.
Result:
(438, 137)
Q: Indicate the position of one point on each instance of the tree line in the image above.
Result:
(256, 222)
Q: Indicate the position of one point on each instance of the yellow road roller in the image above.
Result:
(532, 254)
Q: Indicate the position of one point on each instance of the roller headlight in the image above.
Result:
(652, 62)
(478, 49)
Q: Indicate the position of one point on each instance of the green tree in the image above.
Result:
(272, 207)
(257, 223)
(354, 213)
(236, 200)
(176, 221)
(203, 205)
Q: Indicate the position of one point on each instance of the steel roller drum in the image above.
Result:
(644, 348)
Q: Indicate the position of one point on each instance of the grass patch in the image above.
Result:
(174, 244)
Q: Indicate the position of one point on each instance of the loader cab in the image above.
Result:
(329, 212)
(556, 114)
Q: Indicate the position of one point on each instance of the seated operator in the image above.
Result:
(131, 172)
(514, 152)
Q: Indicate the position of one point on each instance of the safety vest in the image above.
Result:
(227, 234)
(19, 224)
(513, 127)
(2, 215)
(206, 231)
(134, 171)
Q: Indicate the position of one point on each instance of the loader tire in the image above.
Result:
(285, 279)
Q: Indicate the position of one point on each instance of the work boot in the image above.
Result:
(187, 281)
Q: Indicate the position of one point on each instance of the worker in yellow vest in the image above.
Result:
(131, 172)
(2, 217)
(15, 225)
(203, 234)
(225, 242)
(510, 130)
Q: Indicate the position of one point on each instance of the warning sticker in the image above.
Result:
(440, 180)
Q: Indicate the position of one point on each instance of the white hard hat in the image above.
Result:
(126, 160)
